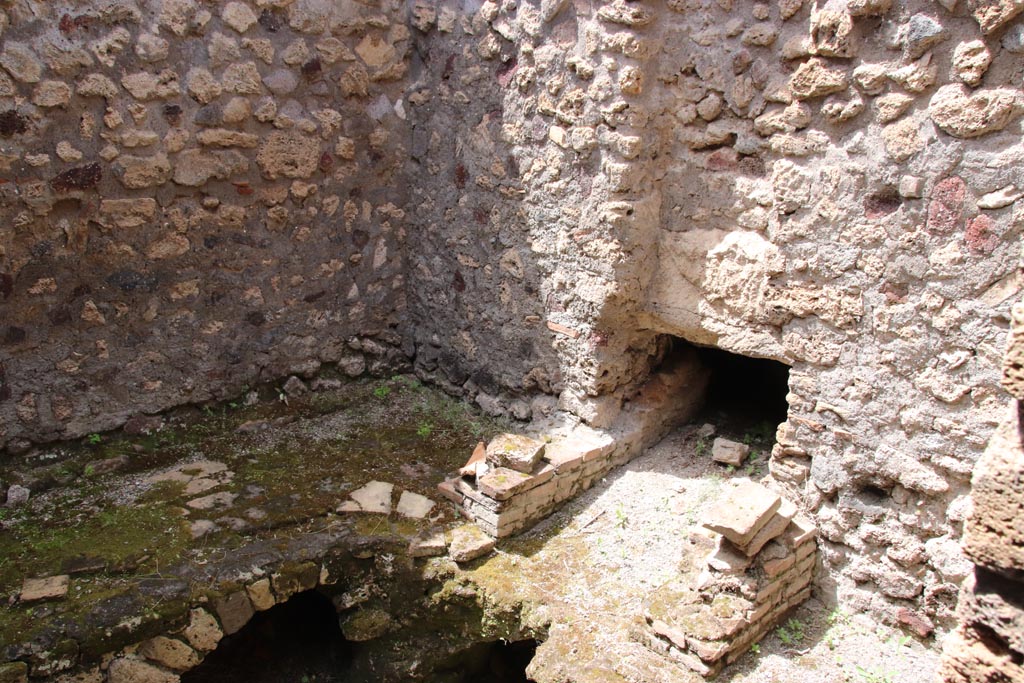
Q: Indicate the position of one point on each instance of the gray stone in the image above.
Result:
(281, 81)
(234, 611)
(17, 496)
(21, 62)
(920, 34)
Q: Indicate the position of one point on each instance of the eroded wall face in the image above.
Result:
(195, 196)
(843, 197)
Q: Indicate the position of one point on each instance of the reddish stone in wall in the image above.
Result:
(979, 235)
(947, 206)
(724, 159)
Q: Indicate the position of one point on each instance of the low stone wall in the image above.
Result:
(761, 565)
(504, 501)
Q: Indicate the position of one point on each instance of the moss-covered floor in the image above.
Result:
(112, 510)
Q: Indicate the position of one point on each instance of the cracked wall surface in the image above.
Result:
(525, 199)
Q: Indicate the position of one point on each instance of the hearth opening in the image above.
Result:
(747, 394)
(298, 640)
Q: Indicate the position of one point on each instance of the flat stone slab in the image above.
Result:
(729, 452)
(188, 471)
(501, 483)
(515, 451)
(469, 542)
(374, 497)
(413, 505)
(743, 512)
(772, 529)
(214, 500)
(45, 588)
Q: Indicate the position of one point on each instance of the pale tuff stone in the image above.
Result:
(261, 595)
(194, 167)
(242, 79)
(202, 85)
(971, 60)
(289, 154)
(814, 78)
(832, 33)
(52, 94)
(169, 653)
(238, 16)
(891, 106)
(964, 114)
(203, 632)
(991, 537)
(146, 86)
(916, 77)
(96, 85)
(141, 172)
(991, 14)
(123, 670)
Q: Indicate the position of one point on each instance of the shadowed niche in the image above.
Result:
(749, 392)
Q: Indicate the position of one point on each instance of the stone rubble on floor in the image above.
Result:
(760, 564)
(729, 452)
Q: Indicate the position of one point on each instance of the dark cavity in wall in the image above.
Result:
(748, 393)
(299, 640)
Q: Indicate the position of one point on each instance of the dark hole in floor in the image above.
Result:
(299, 640)
(748, 393)
(494, 662)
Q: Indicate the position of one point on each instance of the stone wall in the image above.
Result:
(988, 645)
(195, 197)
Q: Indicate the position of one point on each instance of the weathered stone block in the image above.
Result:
(123, 670)
(234, 611)
(515, 452)
(469, 542)
(169, 653)
(729, 452)
(742, 512)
